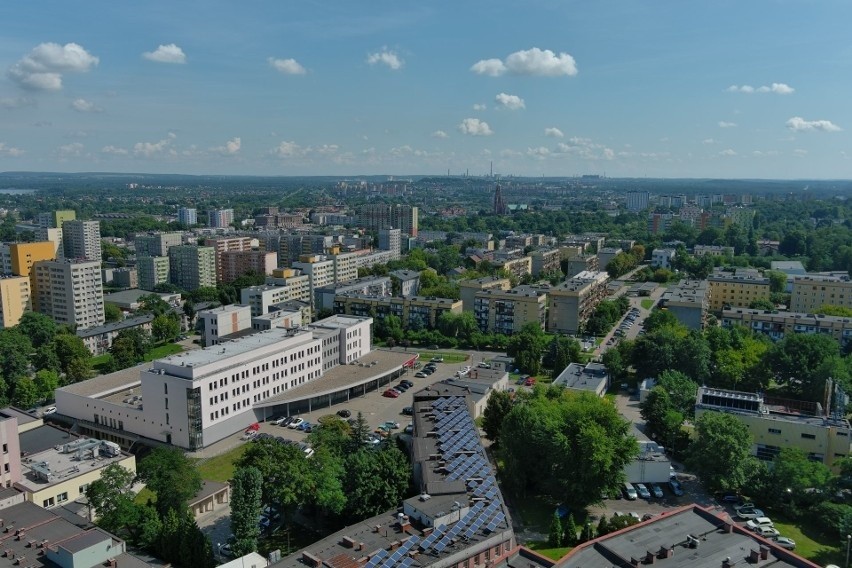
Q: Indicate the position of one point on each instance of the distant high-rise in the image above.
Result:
(69, 291)
(156, 244)
(82, 240)
(152, 270)
(390, 239)
(637, 200)
(14, 299)
(377, 216)
(54, 219)
(192, 267)
(188, 216)
(499, 202)
(219, 218)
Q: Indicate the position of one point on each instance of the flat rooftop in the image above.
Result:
(670, 531)
(23, 417)
(43, 438)
(63, 465)
(225, 351)
(104, 385)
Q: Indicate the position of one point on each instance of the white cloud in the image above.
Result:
(727, 152)
(287, 66)
(539, 153)
(723, 124)
(777, 88)
(16, 102)
(800, 153)
(799, 124)
(11, 151)
(475, 127)
(114, 150)
(73, 150)
(150, 149)
(42, 68)
(386, 57)
(230, 148)
(288, 150)
(479, 106)
(708, 141)
(585, 148)
(82, 105)
(535, 61)
(440, 134)
(764, 153)
(553, 132)
(511, 102)
(166, 54)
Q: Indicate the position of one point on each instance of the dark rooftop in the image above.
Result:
(43, 438)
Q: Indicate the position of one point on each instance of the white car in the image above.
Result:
(785, 542)
(278, 421)
(749, 513)
(295, 423)
(249, 434)
(49, 410)
(767, 532)
(763, 522)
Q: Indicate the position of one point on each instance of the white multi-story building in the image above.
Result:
(220, 218)
(638, 200)
(69, 291)
(199, 397)
(390, 239)
(662, 257)
(53, 235)
(188, 216)
(260, 299)
(82, 239)
(156, 244)
(222, 321)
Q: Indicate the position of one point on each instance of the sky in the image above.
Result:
(623, 88)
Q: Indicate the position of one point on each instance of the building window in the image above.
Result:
(62, 497)
(5, 448)
(809, 436)
(48, 503)
(83, 488)
(165, 388)
(774, 431)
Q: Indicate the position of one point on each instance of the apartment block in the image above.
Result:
(689, 302)
(390, 239)
(712, 250)
(572, 302)
(368, 286)
(638, 201)
(192, 267)
(10, 458)
(581, 263)
(219, 218)
(662, 257)
(406, 283)
(98, 340)
(152, 270)
(469, 288)
(508, 311)
(319, 270)
(776, 424)
(22, 256)
(228, 244)
(53, 236)
(378, 216)
(221, 322)
(518, 266)
(606, 254)
(156, 244)
(261, 299)
(810, 293)
(14, 299)
(54, 219)
(738, 289)
(299, 284)
(416, 312)
(545, 261)
(233, 264)
(778, 324)
(187, 216)
(82, 239)
(69, 291)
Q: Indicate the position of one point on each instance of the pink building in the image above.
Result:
(10, 449)
(234, 264)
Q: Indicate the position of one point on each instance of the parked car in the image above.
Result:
(520, 381)
(390, 393)
(279, 420)
(304, 426)
(420, 375)
(785, 542)
(657, 491)
(49, 410)
(409, 429)
(674, 486)
(629, 492)
(295, 423)
(747, 513)
(635, 515)
(744, 506)
(767, 532)
(225, 550)
(343, 413)
(728, 497)
(759, 522)
(390, 424)
(438, 359)
(288, 421)
(483, 365)
(249, 434)
(529, 382)
(408, 410)
(642, 491)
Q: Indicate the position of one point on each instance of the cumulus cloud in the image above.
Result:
(230, 148)
(170, 53)
(16, 102)
(553, 132)
(287, 149)
(535, 61)
(798, 152)
(479, 106)
(727, 152)
(440, 134)
(73, 150)
(42, 68)
(82, 105)
(585, 148)
(386, 57)
(723, 124)
(475, 127)
(510, 102)
(764, 153)
(151, 149)
(708, 141)
(799, 124)
(777, 88)
(11, 151)
(287, 66)
(539, 153)
(114, 150)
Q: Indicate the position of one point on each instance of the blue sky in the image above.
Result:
(661, 88)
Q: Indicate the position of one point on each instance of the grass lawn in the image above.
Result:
(99, 363)
(542, 547)
(143, 496)
(647, 303)
(448, 357)
(221, 467)
(163, 351)
(810, 543)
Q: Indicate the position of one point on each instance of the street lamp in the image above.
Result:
(848, 542)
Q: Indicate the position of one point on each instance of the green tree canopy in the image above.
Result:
(246, 506)
(172, 476)
(498, 406)
(721, 451)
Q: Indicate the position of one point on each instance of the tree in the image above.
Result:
(796, 481)
(360, 432)
(722, 451)
(603, 526)
(527, 347)
(498, 406)
(153, 304)
(777, 280)
(165, 327)
(40, 328)
(794, 362)
(26, 392)
(15, 350)
(681, 390)
(284, 471)
(570, 531)
(588, 532)
(172, 476)
(112, 313)
(245, 509)
(762, 304)
(70, 348)
(78, 369)
(111, 498)
(375, 481)
(561, 352)
(46, 383)
(554, 537)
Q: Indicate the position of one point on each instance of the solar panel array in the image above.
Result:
(377, 558)
(400, 557)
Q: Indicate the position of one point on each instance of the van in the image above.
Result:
(629, 492)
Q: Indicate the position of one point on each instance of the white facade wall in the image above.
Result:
(223, 321)
(261, 298)
(662, 258)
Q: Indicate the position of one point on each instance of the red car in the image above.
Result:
(390, 393)
(529, 382)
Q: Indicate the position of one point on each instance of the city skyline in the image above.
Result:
(541, 88)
